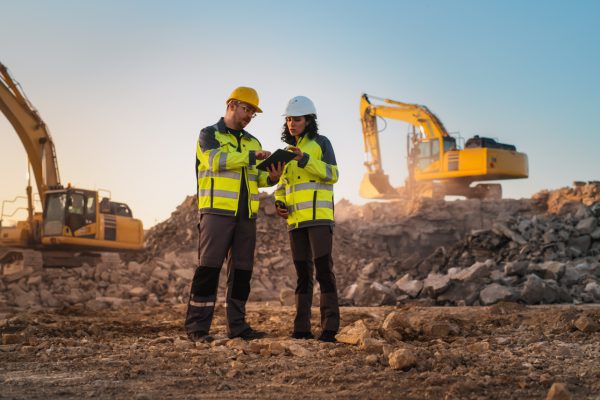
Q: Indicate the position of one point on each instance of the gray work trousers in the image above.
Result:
(311, 249)
(222, 237)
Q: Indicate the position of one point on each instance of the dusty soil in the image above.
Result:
(505, 351)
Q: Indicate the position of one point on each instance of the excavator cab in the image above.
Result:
(73, 218)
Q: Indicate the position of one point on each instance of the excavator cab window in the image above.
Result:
(90, 210)
(449, 143)
(75, 211)
(427, 151)
(54, 217)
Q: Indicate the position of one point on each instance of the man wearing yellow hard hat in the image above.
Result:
(228, 183)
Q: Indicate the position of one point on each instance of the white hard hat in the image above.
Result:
(298, 106)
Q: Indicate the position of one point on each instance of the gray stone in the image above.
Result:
(586, 225)
(375, 295)
(512, 235)
(460, 292)
(185, 274)
(435, 284)
(411, 287)
(475, 272)
(287, 297)
(494, 293)
(47, 299)
(596, 234)
(298, 351)
(160, 274)
(580, 243)
(593, 289)
(518, 268)
(571, 276)
(533, 289)
(548, 270)
(134, 268)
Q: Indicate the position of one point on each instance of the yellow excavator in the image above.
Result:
(71, 221)
(436, 165)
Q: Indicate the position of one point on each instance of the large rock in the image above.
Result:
(435, 284)
(402, 359)
(475, 272)
(494, 293)
(548, 270)
(354, 334)
(411, 287)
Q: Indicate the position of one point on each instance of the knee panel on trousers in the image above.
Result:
(206, 281)
(241, 284)
(304, 274)
(325, 275)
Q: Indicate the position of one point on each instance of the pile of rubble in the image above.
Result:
(540, 250)
(522, 256)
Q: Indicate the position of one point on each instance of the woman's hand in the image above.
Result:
(299, 153)
(281, 209)
(262, 154)
(275, 171)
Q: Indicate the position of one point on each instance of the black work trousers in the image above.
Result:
(222, 237)
(311, 249)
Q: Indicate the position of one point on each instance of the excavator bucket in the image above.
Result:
(377, 186)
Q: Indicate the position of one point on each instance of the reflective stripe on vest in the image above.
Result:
(309, 204)
(223, 174)
(308, 186)
(218, 186)
(219, 193)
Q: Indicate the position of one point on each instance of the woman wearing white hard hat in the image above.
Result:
(305, 198)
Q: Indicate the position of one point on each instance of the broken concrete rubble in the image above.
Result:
(540, 250)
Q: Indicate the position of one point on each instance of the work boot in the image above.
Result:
(200, 337)
(328, 336)
(302, 335)
(250, 334)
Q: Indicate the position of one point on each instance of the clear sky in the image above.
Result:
(125, 86)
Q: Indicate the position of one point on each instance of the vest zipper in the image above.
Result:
(315, 205)
(212, 190)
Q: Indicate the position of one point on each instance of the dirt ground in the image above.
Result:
(506, 351)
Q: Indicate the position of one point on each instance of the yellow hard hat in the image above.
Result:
(245, 94)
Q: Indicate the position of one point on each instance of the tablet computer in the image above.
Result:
(279, 155)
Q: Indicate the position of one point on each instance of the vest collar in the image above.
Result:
(221, 127)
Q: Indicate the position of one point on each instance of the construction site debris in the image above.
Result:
(468, 252)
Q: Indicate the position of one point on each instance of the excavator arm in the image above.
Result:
(375, 183)
(32, 131)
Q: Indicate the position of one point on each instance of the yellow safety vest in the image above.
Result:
(220, 168)
(306, 186)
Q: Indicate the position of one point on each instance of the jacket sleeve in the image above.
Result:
(280, 192)
(217, 158)
(263, 179)
(326, 168)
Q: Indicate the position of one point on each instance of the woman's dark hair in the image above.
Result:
(312, 129)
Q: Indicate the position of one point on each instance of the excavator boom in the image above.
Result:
(32, 131)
